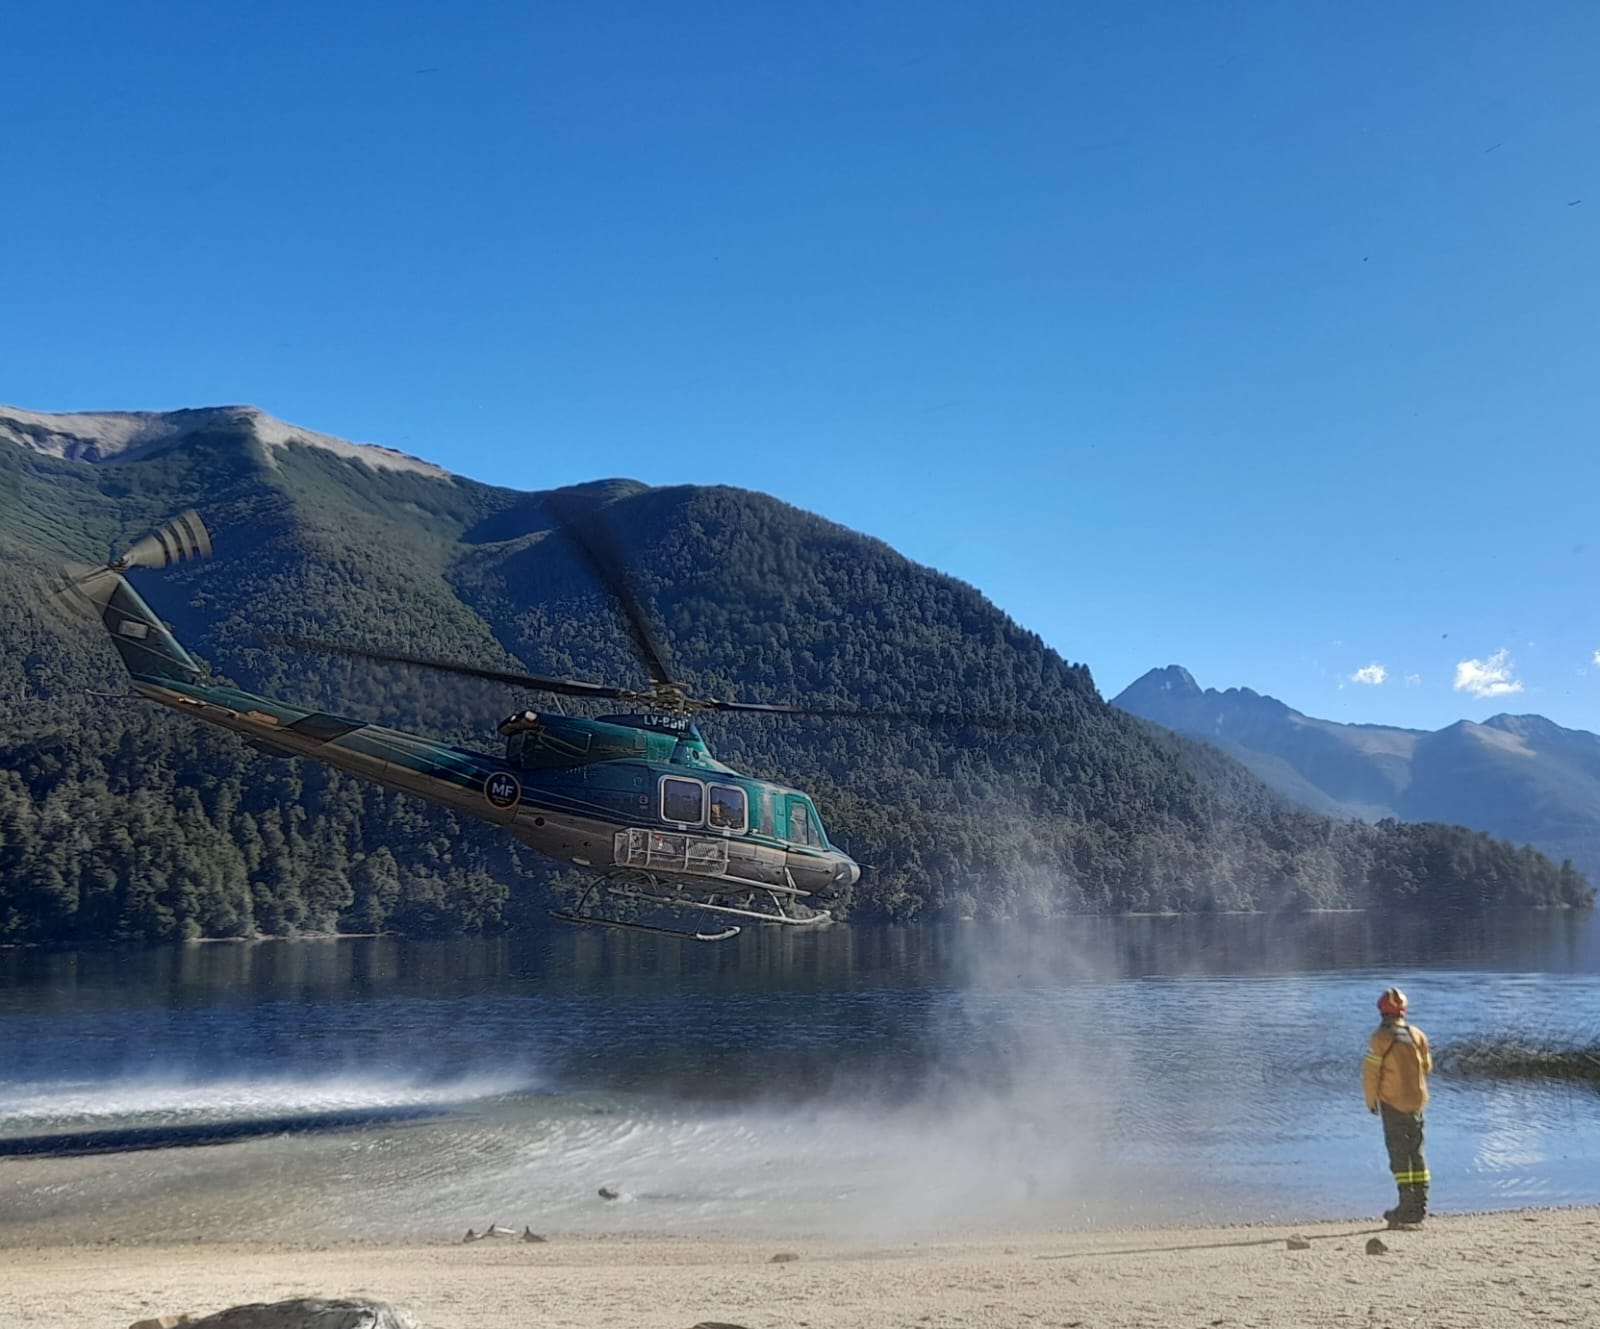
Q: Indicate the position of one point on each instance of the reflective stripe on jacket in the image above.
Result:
(1395, 1069)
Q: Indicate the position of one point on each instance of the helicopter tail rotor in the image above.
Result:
(185, 536)
(144, 642)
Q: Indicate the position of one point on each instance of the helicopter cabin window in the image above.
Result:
(683, 801)
(728, 808)
(804, 828)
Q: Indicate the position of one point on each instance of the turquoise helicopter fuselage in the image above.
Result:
(626, 791)
(637, 791)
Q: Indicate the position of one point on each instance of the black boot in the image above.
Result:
(1392, 1216)
(1412, 1209)
(1419, 1204)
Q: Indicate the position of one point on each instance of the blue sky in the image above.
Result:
(1259, 338)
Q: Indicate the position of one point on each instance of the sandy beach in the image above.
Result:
(1512, 1269)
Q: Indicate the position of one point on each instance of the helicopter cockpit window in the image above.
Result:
(728, 808)
(683, 801)
(804, 828)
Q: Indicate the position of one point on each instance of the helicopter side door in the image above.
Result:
(809, 860)
(710, 823)
(688, 802)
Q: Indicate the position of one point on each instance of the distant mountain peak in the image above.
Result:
(118, 436)
(1521, 777)
(1173, 679)
(1528, 726)
(1170, 696)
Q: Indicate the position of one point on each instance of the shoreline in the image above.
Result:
(1486, 1269)
(922, 923)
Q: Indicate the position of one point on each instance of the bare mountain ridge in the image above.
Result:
(1521, 777)
(121, 436)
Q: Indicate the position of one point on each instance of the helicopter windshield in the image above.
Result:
(804, 825)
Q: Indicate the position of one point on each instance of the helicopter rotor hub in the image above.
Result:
(671, 697)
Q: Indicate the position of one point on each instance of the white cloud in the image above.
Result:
(1597, 657)
(1372, 674)
(1413, 680)
(1487, 678)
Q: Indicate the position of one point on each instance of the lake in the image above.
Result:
(881, 1083)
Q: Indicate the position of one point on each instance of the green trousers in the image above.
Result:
(1402, 1134)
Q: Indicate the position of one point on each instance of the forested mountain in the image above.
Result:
(120, 821)
(1520, 777)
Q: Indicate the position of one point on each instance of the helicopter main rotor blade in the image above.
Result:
(598, 548)
(566, 687)
(933, 719)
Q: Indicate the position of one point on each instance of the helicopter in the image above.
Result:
(665, 831)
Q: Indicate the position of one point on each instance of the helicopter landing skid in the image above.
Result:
(601, 902)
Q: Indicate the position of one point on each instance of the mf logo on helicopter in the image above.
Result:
(502, 790)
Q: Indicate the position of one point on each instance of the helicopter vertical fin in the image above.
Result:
(142, 640)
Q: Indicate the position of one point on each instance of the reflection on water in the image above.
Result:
(885, 1082)
(596, 963)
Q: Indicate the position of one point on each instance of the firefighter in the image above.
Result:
(1395, 1076)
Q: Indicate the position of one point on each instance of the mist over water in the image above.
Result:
(881, 1084)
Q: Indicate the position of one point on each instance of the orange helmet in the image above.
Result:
(1392, 1002)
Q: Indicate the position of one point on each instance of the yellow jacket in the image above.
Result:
(1395, 1069)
